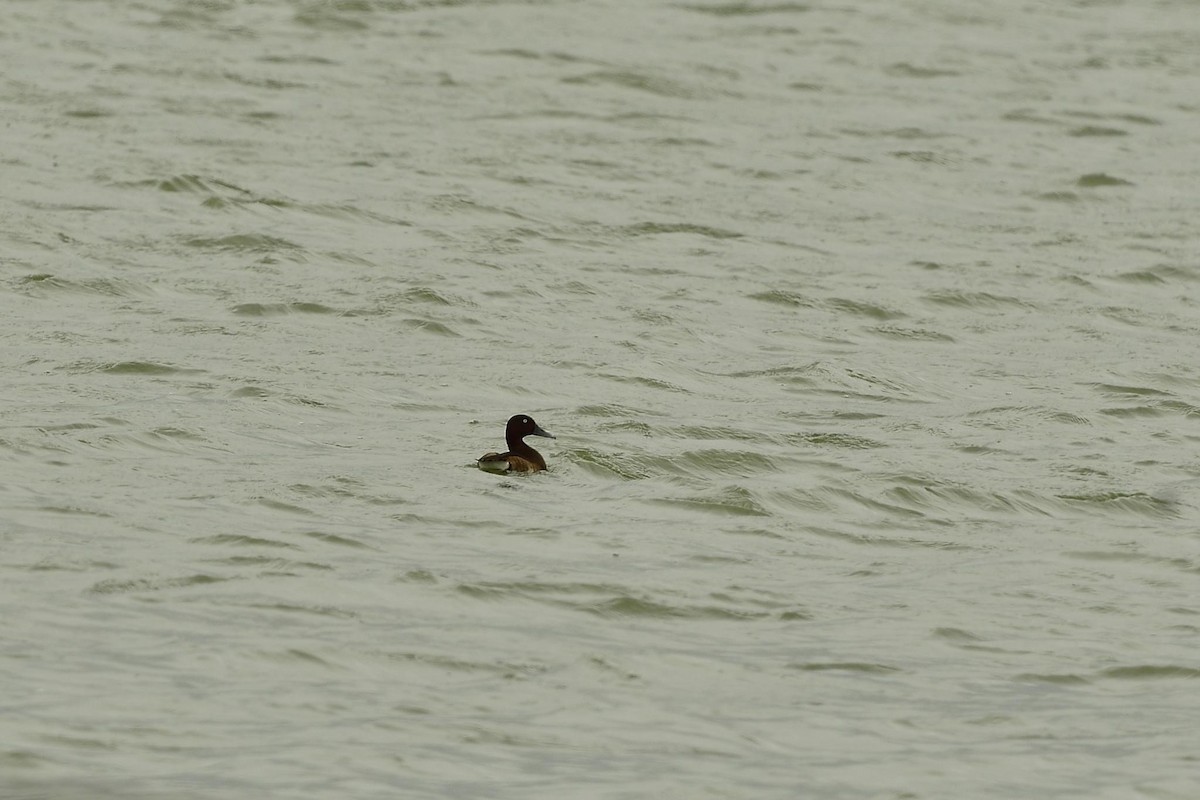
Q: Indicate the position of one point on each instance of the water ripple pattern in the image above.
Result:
(867, 331)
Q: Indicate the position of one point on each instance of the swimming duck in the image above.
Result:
(520, 456)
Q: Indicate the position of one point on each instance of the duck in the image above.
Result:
(520, 456)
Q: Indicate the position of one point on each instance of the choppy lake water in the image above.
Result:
(867, 330)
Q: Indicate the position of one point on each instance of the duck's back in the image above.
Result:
(510, 462)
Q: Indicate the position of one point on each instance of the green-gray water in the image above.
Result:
(868, 332)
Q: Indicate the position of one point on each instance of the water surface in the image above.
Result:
(866, 331)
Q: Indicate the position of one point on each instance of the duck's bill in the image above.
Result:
(537, 431)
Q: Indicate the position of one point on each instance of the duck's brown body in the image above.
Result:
(520, 456)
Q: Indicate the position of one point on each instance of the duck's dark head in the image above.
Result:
(522, 425)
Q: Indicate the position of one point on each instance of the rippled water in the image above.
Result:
(867, 331)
